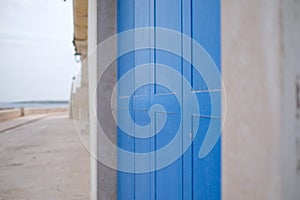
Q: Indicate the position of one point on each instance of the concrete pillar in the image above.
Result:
(102, 24)
(106, 27)
(260, 68)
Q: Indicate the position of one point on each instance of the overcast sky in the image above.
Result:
(36, 50)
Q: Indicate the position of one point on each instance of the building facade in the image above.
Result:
(257, 155)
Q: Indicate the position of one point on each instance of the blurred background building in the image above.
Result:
(79, 98)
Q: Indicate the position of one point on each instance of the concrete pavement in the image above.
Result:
(43, 159)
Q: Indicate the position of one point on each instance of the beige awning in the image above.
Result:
(80, 13)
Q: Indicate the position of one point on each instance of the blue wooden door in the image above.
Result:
(157, 111)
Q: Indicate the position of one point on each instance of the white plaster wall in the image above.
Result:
(251, 70)
(261, 137)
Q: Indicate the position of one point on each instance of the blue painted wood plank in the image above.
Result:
(206, 171)
(144, 182)
(125, 21)
(168, 179)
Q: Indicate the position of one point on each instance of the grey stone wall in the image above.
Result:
(106, 27)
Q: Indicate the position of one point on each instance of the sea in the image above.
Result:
(34, 104)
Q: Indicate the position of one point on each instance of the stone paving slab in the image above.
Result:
(43, 160)
(17, 122)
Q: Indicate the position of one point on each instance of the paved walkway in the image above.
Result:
(41, 157)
